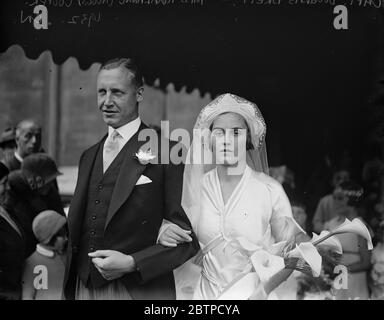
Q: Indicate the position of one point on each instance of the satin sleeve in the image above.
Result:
(283, 225)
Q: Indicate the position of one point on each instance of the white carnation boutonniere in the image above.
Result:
(145, 157)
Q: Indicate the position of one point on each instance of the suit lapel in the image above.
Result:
(78, 203)
(130, 172)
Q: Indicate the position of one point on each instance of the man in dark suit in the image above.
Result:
(120, 202)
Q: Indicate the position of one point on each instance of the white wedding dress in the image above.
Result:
(257, 214)
(240, 240)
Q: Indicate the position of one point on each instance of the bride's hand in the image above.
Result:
(174, 235)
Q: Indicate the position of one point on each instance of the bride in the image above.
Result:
(235, 208)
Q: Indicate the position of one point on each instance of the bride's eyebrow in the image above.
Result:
(238, 128)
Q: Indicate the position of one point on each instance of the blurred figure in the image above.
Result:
(7, 148)
(3, 169)
(12, 251)
(299, 214)
(278, 173)
(31, 190)
(329, 205)
(372, 178)
(12, 255)
(8, 141)
(286, 177)
(377, 272)
(356, 256)
(49, 228)
(319, 183)
(28, 141)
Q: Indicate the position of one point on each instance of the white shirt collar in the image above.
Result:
(44, 251)
(128, 130)
(18, 157)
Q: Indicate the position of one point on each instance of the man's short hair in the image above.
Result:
(127, 63)
(22, 123)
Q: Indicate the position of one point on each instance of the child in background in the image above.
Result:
(43, 275)
(377, 272)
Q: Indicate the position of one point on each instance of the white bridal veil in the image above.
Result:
(199, 155)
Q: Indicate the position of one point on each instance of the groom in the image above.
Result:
(120, 203)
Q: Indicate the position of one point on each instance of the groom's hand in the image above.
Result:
(112, 264)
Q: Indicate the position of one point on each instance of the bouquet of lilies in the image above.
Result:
(307, 257)
(324, 248)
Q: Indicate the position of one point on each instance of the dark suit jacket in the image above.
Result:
(13, 163)
(133, 221)
(12, 255)
(3, 170)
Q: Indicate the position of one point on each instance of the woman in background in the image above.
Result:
(356, 256)
(377, 272)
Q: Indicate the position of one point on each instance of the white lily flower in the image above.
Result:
(266, 265)
(278, 248)
(308, 252)
(355, 226)
(241, 289)
(332, 243)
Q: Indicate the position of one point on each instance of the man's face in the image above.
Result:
(117, 96)
(29, 139)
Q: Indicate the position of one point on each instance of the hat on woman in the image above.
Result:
(8, 136)
(39, 169)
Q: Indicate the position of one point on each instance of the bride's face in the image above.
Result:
(229, 139)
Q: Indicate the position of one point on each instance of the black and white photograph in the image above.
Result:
(208, 151)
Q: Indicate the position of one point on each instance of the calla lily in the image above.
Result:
(358, 227)
(278, 248)
(266, 265)
(332, 243)
(241, 289)
(355, 226)
(308, 252)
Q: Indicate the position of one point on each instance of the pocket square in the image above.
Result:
(143, 180)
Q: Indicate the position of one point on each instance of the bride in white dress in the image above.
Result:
(235, 208)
